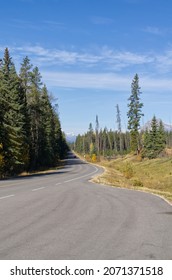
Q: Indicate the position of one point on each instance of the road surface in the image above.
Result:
(64, 216)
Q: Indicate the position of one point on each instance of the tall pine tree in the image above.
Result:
(34, 111)
(134, 114)
(14, 146)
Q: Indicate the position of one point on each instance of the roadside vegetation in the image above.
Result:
(153, 175)
(30, 130)
(138, 158)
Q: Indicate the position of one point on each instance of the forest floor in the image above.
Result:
(132, 172)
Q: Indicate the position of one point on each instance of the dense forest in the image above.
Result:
(31, 137)
(149, 142)
(30, 131)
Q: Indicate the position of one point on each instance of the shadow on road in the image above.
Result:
(70, 160)
(165, 213)
(30, 176)
(74, 161)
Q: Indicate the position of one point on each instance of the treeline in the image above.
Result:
(147, 143)
(108, 143)
(104, 142)
(30, 131)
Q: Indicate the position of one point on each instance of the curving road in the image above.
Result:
(64, 216)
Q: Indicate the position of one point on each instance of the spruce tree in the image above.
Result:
(154, 139)
(15, 150)
(26, 75)
(30, 129)
(2, 111)
(97, 135)
(34, 111)
(104, 139)
(134, 114)
(161, 136)
(90, 133)
(60, 146)
(118, 120)
(47, 138)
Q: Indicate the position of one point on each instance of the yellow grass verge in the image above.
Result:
(131, 172)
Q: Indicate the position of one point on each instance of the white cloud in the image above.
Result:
(125, 57)
(156, 84)
(54, 24)
(87, 80)
(109, 67)
(104, 57)
(108, 81)
(153, 30)
(56, 56)
(164, 62)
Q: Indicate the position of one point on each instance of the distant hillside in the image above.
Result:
(147, 125)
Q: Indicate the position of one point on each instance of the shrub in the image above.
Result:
(94, 158)
(137, 183)
(128, 170)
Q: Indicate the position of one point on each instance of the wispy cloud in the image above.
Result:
(125, 57)
(106, 57)
(163, 63)
(57, 56)
(24, 24)
(37, 25)
(87, 80)
(103, 68)
(54, 24)
(154, 30)
(108, 81)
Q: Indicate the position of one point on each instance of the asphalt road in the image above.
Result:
(64, 216)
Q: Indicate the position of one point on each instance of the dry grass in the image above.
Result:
(153, 176)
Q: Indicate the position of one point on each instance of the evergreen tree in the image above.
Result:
(47, 139)
(30, 129)
(161, 136)
(104, 139)
(118, 120)
(26, 75)
(79, 144)
(15, 150)
(97, 135)
(1, 105)
(90, 134)
(2, 131)
(134, 114)
(147, 145)
(154, 139)
(169, 139)
(60, 147)
(34, 110)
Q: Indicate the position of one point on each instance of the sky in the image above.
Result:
(88, 52)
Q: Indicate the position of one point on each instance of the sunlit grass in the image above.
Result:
(153, 176)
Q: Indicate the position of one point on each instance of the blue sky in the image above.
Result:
(88, 52)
